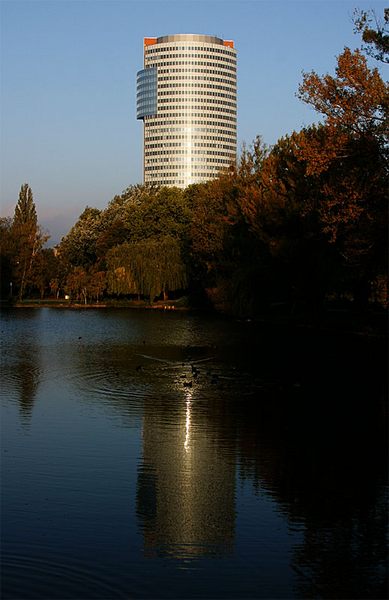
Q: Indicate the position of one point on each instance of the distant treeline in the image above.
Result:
(294, 224)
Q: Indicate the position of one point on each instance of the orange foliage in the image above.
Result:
(356, 100)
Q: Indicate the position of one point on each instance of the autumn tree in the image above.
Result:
(279, 208)
(208, 225)
(348, 155)
(354, 102)
(77, 284)
(374, 32)
(85, 285)
(45, 269)
(222, 248)
(97, 283)
(120, 276)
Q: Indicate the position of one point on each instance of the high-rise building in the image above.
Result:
(186, 97)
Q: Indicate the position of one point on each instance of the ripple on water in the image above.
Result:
(42, 575)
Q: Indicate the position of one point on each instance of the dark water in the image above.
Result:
(166, 455)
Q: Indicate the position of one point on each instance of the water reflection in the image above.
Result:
(21, 373)
(186, 482)
(328, 475)
(264, 451)
(27, 383)
(187, 423)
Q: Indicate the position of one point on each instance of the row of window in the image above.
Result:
(147, 101)
(190, 56)
(193, 167)
(197, 86)
(143, 96)
(209, 111)
(218, 50)
(190, 166)
(190, 101)
(168, 182)
(190, 121)
(223, 128)
(193, 93)
(153, 146)
(165, 138)
(161, 179)
(176, 63)
(184, 133)
(146, 85)
(190, 70)
(181, 155)
(153, 150)
(231, 82)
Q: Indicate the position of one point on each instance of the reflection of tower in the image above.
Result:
(26, 374)
(186, 485)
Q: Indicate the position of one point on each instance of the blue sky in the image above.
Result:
(68, 70)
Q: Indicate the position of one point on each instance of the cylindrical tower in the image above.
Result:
(186, 96)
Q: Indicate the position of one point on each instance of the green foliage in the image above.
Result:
(160, 213)
(78, 247)
(148, 268)
(44, 268)
(25, 212)
(28, 241)
(22, 256)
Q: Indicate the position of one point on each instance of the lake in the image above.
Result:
(151, 454)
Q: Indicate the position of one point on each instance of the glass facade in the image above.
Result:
(146, 92)
(188, 107)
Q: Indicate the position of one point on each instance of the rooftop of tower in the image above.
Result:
(188, 37)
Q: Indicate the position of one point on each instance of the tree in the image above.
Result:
(7, 254)
(376, 38)
(348, 156)
(78, 247)
(28, 236)
(148, 268)
(45, 267)
(97, 284)
(25, 212)
(354, 102)
(208, 224)
(159, 213)
(286, 258)
(77, 284)
(113, 234)
(223, 259)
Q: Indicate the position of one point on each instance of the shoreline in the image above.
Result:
(78, 306)
(372, 324)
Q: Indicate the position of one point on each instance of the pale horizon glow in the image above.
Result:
(68, 86)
